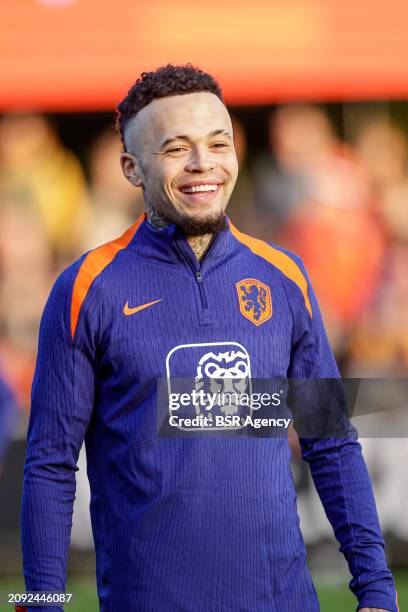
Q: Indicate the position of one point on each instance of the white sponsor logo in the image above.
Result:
(220, 373)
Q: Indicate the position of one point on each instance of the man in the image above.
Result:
(188, 522)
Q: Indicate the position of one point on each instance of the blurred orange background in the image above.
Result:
(83, 54)
(318, 95)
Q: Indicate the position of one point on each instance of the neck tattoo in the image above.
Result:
(200, 244)
(155, 219)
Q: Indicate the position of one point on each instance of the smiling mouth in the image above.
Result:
(200, 192)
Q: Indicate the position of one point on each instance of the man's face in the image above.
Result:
(181, 151)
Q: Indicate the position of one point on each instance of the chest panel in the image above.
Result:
(156, 310)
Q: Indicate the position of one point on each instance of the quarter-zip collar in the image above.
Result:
(182, 244)
(169, 245)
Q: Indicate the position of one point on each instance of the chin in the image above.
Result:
(198, 225)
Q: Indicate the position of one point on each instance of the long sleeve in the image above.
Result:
(61, 408)
(340, 474)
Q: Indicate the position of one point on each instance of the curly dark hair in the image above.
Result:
(164, 81)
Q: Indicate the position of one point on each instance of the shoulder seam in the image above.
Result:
(283, 262)
(93, 264)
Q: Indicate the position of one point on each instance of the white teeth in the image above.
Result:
(199, 188)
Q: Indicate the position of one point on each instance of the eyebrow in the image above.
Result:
(184, 137)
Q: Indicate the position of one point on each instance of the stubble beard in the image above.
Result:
(189, 225)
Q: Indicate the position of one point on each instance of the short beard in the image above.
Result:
(196, 227)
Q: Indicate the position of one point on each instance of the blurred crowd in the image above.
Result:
(50, 213)
(342, 206)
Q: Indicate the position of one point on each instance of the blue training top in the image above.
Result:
(185, 523)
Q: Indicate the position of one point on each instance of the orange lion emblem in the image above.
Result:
(255, 301)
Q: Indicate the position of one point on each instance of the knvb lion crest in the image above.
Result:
(255, 301)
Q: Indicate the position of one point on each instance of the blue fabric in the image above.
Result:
(8, 417)
(184, 523)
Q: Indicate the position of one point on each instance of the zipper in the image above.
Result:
(198, 273)
(199, 279)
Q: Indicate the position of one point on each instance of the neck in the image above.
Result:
(198, 244)
(155, 219)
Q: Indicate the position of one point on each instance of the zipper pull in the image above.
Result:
(199, 279)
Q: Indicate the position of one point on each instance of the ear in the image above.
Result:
(131, 168)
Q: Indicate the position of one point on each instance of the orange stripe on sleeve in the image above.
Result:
(93, 264)
(279, 259)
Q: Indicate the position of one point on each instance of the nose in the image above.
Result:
(200, 160)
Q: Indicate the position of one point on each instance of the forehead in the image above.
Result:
(193, 115)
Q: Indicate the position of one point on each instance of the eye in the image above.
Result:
(175, 150)
(220, 144)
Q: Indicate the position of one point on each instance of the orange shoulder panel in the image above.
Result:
(93, 264)
(280, 260)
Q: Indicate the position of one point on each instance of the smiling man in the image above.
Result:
(187, 179)
(197, 523)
